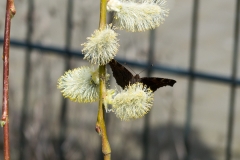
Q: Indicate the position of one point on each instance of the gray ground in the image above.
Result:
(211, 100)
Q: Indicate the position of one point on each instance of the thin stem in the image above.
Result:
(10, 12)
(103, 14)
(100, 125)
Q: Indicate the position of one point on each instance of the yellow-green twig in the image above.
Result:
(100, 125)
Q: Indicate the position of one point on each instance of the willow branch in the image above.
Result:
(100, 125)
(10, 12)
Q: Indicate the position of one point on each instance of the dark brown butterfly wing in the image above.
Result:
(120, 73)
(124, 77)
(155, 83)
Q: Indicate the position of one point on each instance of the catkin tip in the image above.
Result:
(80, 85)
(101, 47)
(133, 102)
(137, 17)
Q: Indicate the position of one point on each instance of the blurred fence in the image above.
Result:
(190, 73)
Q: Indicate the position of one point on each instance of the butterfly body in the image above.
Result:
(124, 78)
(135, 79)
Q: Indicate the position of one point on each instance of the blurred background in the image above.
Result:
(197, 119)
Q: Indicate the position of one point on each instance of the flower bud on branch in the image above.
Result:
(80, 84)
(101, 47)
(133, 102)
(137, 17)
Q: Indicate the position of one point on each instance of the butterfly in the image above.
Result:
(124, 78)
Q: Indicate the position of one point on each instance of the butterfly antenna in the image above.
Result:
(129, 67)
(148, 68)
(135, 72)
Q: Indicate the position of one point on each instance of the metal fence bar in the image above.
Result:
(156, 67)
(26, 81)
(233, 85)
(63, 111)
(190, 93)
(44, 48)
(146, 126)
